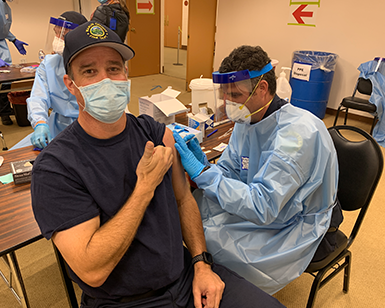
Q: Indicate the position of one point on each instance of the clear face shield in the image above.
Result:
(234, 90)
(57, 29)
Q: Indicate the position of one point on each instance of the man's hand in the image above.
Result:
(154, 164)
(207, 287)
(3, 63)
(20, 46)
(41, 136)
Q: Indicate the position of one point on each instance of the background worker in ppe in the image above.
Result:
(49, 91)
(5, 56)
(113, 14)
(267, 203)
(106, 194)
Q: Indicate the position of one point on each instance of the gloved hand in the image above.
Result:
(41, 136)
(20, 46)
(190, 163)
(3, 63)
(195, 148)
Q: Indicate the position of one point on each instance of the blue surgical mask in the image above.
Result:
(106, 100)
(102, 1)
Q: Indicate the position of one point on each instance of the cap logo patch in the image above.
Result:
(96, 31)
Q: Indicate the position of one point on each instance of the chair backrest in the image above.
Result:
(360, 168)
(364, 86)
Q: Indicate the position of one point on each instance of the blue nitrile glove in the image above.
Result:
(41, 136)
(20, 46)
(3, 63)
(190, 163)
(194, 147)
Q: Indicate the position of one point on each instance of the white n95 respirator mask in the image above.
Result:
(58, 45)
(106, 100)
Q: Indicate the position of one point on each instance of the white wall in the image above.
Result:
(30, 21)
(350, 28)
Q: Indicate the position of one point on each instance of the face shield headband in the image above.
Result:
(232, 77)
(62, 23)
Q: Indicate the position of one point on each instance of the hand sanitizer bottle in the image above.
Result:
(41, 55)
(283, 86)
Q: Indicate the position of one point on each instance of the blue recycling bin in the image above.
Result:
(312, 94)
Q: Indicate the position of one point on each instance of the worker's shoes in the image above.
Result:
(6, 120)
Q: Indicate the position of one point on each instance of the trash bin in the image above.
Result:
(311, 79)
(202, 91)
(19, 103)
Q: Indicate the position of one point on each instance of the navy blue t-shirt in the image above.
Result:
(78, 177)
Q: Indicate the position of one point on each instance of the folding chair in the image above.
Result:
(363, 86)
(360, 167)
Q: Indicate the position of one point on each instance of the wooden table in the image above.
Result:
(20, 81)
(210, 142)
(18, 227)
(17, 223)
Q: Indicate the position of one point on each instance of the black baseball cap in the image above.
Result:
(90, 34)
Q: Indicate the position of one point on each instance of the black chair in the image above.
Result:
(360, 167)
(67, 281)
(363, 86)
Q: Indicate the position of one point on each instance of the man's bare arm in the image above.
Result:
(207, 286)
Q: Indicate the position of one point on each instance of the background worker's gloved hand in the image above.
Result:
(194, 147)
(3, 63)
(190, 163)
(20, 46)
(41, 136)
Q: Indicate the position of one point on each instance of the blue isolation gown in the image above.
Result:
(5, 26)
(267, 203)
(49, 92)
(377, 97)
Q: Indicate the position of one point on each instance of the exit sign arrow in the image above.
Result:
(145, 6)
(298, 13)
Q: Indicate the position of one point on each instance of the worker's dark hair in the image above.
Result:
(249, 58)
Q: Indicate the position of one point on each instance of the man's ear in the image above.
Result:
(69, 84)
(264, 87)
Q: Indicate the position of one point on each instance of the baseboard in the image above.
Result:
(351, 116)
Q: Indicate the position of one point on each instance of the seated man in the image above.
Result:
(48, 91)
(106, 194)
(268, 202)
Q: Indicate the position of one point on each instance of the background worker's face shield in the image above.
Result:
(236, 87)
(57, 29)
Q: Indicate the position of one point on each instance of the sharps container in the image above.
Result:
(311, 79)
(202, 91)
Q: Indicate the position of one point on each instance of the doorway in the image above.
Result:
(147, 38)
(175, 34)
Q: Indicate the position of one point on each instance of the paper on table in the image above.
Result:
(220, 147)
(5, 179)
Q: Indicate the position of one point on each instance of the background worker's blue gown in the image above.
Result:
(367, 71)
(267, 203)
(5, 26)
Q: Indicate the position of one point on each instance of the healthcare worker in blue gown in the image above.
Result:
(375, 71)
(268, 202)
(5, 56)
(48, 91)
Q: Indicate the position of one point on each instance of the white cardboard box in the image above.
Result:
(201, 121)
(163, 106)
